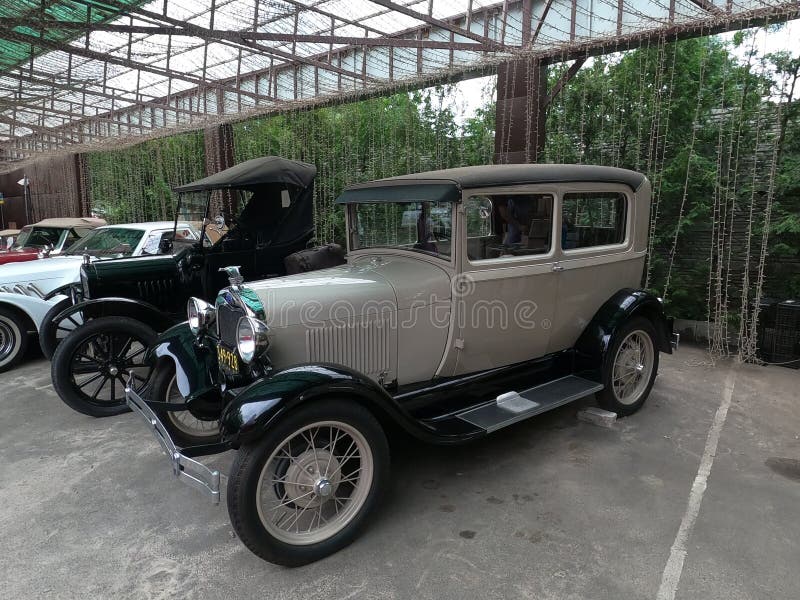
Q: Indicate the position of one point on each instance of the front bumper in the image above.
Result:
(184, 468)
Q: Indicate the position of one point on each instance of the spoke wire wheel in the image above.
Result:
(314, 483)
(183, 420)
(633, 366)
(100, 367)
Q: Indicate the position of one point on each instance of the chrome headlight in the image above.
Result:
(251, 338)
(201, 315)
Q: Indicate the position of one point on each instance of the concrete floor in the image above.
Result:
(550, 508)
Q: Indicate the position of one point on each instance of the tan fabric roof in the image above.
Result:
(66, 222)
(6, 232)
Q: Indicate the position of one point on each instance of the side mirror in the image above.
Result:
(165, 246)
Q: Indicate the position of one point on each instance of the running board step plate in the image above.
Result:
(513, 407)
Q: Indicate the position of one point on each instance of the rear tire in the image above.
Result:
(13, 338)
(95, 360)
(630, 367)
(322, 454)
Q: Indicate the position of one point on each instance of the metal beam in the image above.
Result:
(126, 62)
(565, 78)
(488, 42)
(207, 34)
(237, 36)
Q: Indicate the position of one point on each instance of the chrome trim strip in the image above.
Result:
(33, 288)
(190, 471)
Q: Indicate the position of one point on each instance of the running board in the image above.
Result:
(513, 407)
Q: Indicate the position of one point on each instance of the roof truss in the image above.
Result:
(86, 71)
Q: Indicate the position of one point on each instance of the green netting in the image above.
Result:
(135, 184)
(13, 53)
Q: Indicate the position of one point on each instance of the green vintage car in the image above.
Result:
(122, 304)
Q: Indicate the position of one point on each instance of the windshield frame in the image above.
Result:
(204, 220)
(355, 246)
(79, 245)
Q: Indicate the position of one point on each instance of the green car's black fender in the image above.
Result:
(595, 341)
(195, 364)
(119, 307)
(250, 414)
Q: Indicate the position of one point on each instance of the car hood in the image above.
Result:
(46, 274)
(367, 285)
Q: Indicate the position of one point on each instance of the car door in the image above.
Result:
(597, 255)
(504, 299)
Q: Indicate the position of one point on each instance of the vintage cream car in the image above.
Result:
(520, 296)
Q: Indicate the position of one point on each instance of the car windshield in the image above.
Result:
(115, 241)
(37, 237)
(194, 209)
(417, 226)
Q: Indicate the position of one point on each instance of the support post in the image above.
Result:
(521, 111)
(218, 142)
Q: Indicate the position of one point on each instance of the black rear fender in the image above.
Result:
(594, 342)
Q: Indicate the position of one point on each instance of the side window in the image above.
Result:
(509, 225)
(592, 219)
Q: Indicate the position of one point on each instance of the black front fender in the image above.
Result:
(195, 364)
(259, 405)
(596, 338)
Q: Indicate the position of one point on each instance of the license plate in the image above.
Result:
(228, 359)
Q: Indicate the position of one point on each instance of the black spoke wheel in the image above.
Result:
(52, 332)
(13, 338)
(92, 364)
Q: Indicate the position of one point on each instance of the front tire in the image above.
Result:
(630, 368)
(13, 339)
(91, 365)
(184, 428)
(306, 489)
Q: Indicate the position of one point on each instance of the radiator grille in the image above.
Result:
(363, 347)
(227, 321)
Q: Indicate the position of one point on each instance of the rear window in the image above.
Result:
(591, 219)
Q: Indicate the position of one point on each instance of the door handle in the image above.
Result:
(557, 267)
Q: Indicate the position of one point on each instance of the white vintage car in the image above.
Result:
(30, 291)
(472, 299)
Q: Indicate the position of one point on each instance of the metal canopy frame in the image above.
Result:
(114, 71)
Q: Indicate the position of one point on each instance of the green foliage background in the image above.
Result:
(702, 122)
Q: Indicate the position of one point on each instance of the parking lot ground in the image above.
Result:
(695, 496)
